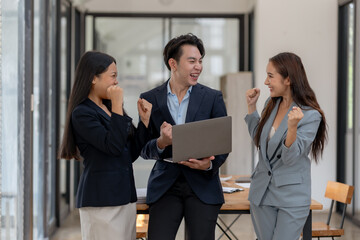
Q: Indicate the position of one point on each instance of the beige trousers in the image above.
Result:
(108, 223)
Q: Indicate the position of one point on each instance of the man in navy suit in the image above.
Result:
(189, 189)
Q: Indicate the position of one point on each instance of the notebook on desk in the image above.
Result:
(201, 139)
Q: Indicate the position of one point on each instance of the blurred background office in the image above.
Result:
(42, 40)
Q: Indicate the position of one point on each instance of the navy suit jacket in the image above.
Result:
(205, 103)
(108, 150)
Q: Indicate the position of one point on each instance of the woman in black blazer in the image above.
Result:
(98, 131)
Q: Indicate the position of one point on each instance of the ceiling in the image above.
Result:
(166, 6)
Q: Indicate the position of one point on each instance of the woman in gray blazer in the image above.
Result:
(291, 125)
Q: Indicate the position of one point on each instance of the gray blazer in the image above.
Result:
(282, 176)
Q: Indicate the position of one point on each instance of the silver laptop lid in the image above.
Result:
(201, 139)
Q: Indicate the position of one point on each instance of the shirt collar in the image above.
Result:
(169, 89)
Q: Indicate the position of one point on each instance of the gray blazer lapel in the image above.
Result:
(265, 134)
(276, 141)
(196, 96)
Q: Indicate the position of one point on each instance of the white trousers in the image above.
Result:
(108, 223)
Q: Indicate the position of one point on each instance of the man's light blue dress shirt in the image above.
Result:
(178, 111)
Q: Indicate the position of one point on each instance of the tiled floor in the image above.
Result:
(70, 230)
(242, 228)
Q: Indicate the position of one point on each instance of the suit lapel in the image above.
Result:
(97, 109)
(265, 134)
(276, 141)
(196, 96)
(161, 99)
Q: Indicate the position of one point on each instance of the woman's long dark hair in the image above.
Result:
(290, 65)
(91, 64)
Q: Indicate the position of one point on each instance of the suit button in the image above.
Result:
(279, 156)
(269, 173)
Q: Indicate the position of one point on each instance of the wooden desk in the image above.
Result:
(238, 203)
(142, 222)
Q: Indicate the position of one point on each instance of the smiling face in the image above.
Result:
(187, 70)
(278, 85)
(104, 80)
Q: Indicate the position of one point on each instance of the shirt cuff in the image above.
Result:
(160, 151)
(210, 168)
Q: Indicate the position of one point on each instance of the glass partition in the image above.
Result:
(50, 147)
(221, 40)
(10, 190)
(38, 153)
(348, 134)
(136, 44)
(64, 90)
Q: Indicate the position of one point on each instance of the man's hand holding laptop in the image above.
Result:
(192, 142)
(200, 164)
(165, 140)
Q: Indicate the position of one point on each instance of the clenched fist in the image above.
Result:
(115, 94)
(252, 95)
(165, 138)
(294, 116)
(144, 109)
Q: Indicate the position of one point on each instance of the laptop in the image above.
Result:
(201, 139)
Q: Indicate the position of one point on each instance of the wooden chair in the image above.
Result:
(142, 222)
(336, 192)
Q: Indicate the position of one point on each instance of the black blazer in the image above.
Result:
(108, 150)
(205, 103)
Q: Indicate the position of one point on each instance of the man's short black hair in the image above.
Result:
(173, 47)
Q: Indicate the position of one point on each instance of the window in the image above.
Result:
(137, 44)
(10, 191)
(348, 132)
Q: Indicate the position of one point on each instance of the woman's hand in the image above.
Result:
(115, 94)
(252, 95)
(144, 109)
(294, 116)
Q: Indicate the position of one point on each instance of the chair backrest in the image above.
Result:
(339, 192)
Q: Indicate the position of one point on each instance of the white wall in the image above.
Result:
(309, 29)
(166, 6)
(233, 87)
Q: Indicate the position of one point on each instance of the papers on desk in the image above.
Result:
(141, 195)
(244, 185)
(231, 189)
